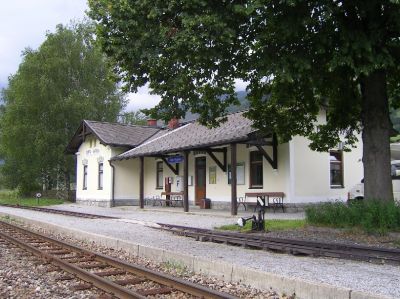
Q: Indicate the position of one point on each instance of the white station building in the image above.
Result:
(185, 163)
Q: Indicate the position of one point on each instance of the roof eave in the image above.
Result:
(225, 142)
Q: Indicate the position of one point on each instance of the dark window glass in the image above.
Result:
(256, 170)
(85, 168)
(200, 177)
(395, 167)
(160, 175)
(336, 163)
(100, 183)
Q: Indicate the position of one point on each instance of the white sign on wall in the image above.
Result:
(179, 183)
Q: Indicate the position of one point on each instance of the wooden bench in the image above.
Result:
(271, 199)
(172, 199)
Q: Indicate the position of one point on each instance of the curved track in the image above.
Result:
(61, 212)
(259, 241)
(116, 277)
(292, 246)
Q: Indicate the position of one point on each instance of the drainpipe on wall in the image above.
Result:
(112, 184)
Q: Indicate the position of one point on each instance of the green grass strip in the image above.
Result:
(31, 202)
(270, 225)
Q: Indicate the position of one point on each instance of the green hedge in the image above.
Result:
(371, 215)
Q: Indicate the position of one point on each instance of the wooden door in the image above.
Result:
(200, 179)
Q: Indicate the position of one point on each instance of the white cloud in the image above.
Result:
(23, 23)
(142, 99)
(240, 85)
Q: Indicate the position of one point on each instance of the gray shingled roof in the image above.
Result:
(113, 134)
(193, 135)
(120, 134)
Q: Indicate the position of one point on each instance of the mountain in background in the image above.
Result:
(244, 105)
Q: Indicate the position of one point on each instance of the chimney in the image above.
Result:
(152, 122)
(173, 123)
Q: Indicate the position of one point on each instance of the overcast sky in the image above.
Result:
(23, 23)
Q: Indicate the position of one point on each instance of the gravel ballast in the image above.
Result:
(18, 280)
(23, 276)
(375, 279)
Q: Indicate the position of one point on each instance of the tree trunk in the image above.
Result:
(67, 179)
(375, 135)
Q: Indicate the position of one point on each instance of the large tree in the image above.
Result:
(297, 56)
(65, 80)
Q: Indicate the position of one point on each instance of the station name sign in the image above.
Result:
(175, 159)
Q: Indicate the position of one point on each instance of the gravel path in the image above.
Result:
(200, 218)
(377, 279)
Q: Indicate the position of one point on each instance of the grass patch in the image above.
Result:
(175, 266)
(11, 197)
(8, 194)
(270, 225)
(31, 202)
(372, 216)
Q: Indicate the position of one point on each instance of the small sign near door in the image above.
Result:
(175, 159)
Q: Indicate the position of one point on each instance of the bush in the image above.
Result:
(372, 215)
(7, 194)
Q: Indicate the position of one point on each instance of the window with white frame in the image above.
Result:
(256, 169)
(100, 176)
(336, 168)
(160, 175)
(85, 174)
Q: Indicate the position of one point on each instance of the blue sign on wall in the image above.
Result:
(175, 159)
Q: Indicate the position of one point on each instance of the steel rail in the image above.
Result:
(161, 278)
(101, 283)
(62, 212)
(295, 246)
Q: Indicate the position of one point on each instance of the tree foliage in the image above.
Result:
(297, 56)
(133, 118)
(66, 80)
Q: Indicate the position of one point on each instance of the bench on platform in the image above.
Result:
(170, 199)
(271, 199)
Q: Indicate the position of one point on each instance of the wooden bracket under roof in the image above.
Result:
(274, 160)
(220, 164)
(175, 169)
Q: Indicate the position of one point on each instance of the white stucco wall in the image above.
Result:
(92, 152)
(310, 173)
(127, 176)
(274, 180)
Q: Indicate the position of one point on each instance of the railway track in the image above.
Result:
(113, 276)
(291, 246)
(61, 212)
(258, 241)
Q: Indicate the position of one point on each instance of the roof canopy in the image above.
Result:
(113, 134)
(237, 128)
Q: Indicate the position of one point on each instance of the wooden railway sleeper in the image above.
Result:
(109, 273)
(129, 281)
(157, 291)
(94, 266)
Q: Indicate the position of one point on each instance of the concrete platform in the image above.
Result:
(306, 277)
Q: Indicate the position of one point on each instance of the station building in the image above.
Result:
(135, 165)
